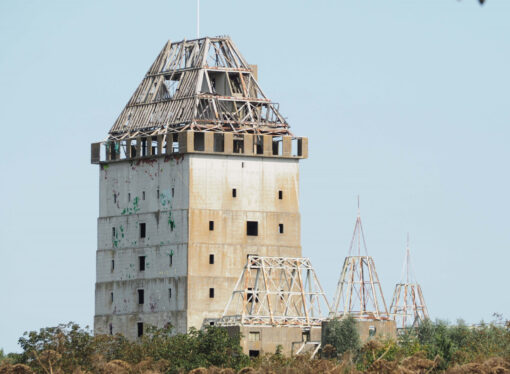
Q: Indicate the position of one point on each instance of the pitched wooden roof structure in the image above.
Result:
(202, 85)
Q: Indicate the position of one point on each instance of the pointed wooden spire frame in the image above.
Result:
(359, 293)
(408, 307)
(203, 84)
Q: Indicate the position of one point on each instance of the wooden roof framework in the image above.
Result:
(202, 85)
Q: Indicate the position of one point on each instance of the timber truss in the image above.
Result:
(201, 85)
(408, 307)
(276, 291)
(359, 293)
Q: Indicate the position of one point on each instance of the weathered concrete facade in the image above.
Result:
(173, 235)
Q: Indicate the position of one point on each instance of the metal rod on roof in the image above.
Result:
(198, 19)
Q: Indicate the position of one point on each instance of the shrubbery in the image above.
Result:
(431, 348)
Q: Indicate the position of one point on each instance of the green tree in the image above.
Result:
(342, 334)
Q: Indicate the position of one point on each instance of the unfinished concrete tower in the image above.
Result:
(408, 306)
(198, 172)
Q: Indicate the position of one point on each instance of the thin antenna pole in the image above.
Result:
(407, 259)
(198, 19)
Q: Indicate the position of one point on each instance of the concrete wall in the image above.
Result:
(257, 183)
(269, 338)
(176, 197)
(373, 329)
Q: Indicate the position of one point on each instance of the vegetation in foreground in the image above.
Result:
(434, 347)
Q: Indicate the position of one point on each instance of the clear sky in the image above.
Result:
(405, 103)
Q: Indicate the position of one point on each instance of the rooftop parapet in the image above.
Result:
(219, 143)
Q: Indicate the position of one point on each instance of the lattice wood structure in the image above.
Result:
(201, 85)
(359, 293)
(408, 307)
(276, 291)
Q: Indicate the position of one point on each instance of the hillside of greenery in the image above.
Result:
(434, 347)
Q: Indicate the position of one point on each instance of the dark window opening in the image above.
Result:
(252, 228)
(211, 259)
(133, 151)
(142, 230)
(234, 192)
(253, 353)
(157, 194)
(305, 336)
(139, 326)
(143, 195)
(129, 197)
(144, 147)
(198, 141)
(211, 323)
(277, 149)
(141, 297)
(259, 145)
(171, 256)
(113, 232)
(169, 293)
(141, 263)
(211, 225)
(172, 192)
(113, 265)
(219, 143)
(114, 198)
(280, 195)
(238, 146)
(111, 297)
(211, 293)
(110, 326)
(280, 228)
(251, 296)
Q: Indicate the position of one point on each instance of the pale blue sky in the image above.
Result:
(404, 103)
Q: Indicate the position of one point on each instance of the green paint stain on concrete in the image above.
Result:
(134, 209)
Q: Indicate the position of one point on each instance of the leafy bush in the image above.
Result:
(342, 334)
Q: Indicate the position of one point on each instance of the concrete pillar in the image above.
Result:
(128, 148)
(160, 144)
(248, 144)
(287, 146)
(138, 147)
(148, 141)
(229, 143)
(169, 137)
(268, 145)
(209, 142)
(186, 142)
(95, 153)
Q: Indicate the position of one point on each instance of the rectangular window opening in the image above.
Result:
(171, 256)
(219, 142)
(139, 326)
(253, 353)
(211, 225)
(169, 293)
(280, 228)
(141, 263)
(254, 336)
(211, 259)
(157, 194)
(198, 141)
(172, 192)
(211, 293)
(143, 195)
(280, 195)
(142, 230)
(113, 232)
(252, 228)
(110, 327)
(111, 297)
(113, 265)
(141, 297)
(129, 197)
(234, 192)
(115, 198)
